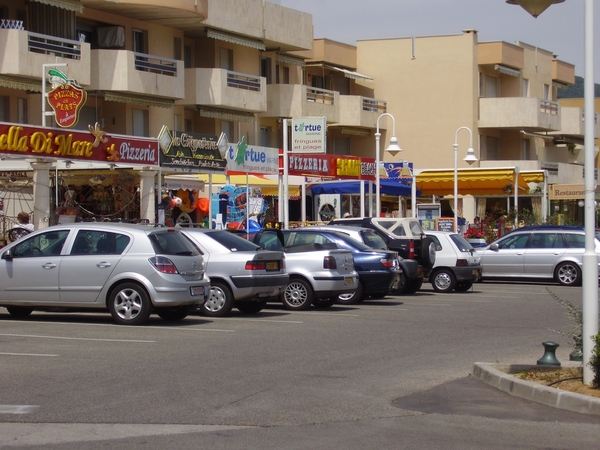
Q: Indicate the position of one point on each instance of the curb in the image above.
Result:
(499, 376)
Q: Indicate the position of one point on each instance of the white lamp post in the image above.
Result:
(393, 148)
(470, 159)
(590, 258)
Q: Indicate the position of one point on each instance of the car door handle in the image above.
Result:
(49, 266)
(103, 265)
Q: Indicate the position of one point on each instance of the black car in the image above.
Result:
(405, 236)
(378, 270)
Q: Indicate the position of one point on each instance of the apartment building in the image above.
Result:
(505, 94)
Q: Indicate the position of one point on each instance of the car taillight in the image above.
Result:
(163, 265)
(256, 265)
(389, 263)
(462, 262)
(329, 263)
(411, 250)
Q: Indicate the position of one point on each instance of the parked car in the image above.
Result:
(129, 270)
(242, 275)
(318, 272)
(405, 236)
(545, 251)
(410, 269)
(378, 270)
(457, 265)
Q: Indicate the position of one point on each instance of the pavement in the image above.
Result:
(500, 376)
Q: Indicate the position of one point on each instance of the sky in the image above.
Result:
(559, 29)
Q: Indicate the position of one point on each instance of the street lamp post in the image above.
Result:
(470, 159)
(393, 148)
(590, 258)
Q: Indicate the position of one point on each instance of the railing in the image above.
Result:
(155, 64)
(320, 96)
(50, 45)
(243, 81)
(12, 24)
(548, 107)
(372, 105)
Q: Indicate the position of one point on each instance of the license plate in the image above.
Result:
(197, 291)
(273, 265)
(349, 281)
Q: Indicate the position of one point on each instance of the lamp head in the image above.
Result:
(534, 7)
(470, 158)
(393, 148)
(68, 164)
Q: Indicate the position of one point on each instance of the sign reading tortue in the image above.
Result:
(66, 99)
(94, 146)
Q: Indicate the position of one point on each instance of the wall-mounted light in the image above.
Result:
(112, 166)
(68, 164)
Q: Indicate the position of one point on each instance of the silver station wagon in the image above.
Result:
(130, 270)
(544, 251)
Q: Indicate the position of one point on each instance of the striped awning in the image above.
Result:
(20, 84)
(69, 5)
(286, 59)
(347, 73)
(223, 114)
(137, 99)
(507, 70)
(235, 39)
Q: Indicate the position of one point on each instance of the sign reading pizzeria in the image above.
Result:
(66, 99)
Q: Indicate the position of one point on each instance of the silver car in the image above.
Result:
(129, 270)
(241, 273)
(544, 251)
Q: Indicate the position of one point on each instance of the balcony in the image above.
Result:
(298, 100)
(137, 73)
(23, 54)
(226, 89)
(358, 111)
(530, 113)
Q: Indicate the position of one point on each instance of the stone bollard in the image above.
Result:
(549, 358)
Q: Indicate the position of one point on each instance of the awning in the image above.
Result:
(286, 59)
(268, 186)
(507, 70)
(386, 186)
(135, 99)
(347, 73)
(20, 84)
(224, 114)
(235, 39)
(480, 182)
(69, 5)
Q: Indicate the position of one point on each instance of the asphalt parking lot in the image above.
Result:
(366, 376)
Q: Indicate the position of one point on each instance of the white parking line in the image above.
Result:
(75, 339)
(25, 354)
(237, 319)
(17, 409)
(326, 314)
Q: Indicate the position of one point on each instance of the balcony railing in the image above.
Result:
(372, 105)
(320, 96)
(243, 81)
(548, 107)
(12, 24)
(50, 45)
(155, 64)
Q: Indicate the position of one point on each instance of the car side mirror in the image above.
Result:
(494, 247)
(8, 255)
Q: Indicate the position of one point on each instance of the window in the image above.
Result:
(140, 123)
(525, 87)
(187, 56)
(545, 240)
(574, 240)
(265, 69)
(45, 244)
(139, 41)
(547, 92)
(286, 75)
(5, 109)
(526, 149)
(492, 148)
(99, 243)
(512, 242)
(228, 129)
(177, 48)
(226, 58)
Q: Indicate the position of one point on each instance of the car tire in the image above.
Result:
(427, 253)
(174, 314)
(463, 286)
(251, 307)
(323, 303)
(401, 287)
(443, 280)
(19, 312)
(298, 295)
(413, 285)
(377, 295)
(129, 304)
(352, 298)
(219, 302)
(568, 274)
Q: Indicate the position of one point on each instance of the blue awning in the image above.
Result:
(386, 186)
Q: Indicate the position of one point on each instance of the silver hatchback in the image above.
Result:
(544, 251)
(129, 270)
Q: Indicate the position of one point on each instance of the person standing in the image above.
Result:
(23, 219)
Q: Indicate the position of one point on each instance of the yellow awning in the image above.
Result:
(481, 182)
(268, 186)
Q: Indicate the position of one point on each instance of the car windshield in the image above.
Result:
(461, 243)
(172, 242)
(231, 241)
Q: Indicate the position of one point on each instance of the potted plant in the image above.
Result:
(475, 236)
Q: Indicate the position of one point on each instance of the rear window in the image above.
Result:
(172, 243)
(461, 243)
(232, 241)
(373, 240)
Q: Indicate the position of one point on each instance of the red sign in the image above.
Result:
(94, 146)
(334, 166)
(66, 101)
